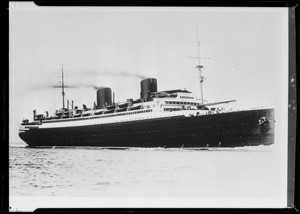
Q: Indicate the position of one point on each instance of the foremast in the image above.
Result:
(199, 67)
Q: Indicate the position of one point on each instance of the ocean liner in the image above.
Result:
(171, 118)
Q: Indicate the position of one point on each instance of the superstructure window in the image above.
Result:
(185, 97)
(181, 103)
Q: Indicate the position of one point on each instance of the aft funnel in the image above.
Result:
(103, 97)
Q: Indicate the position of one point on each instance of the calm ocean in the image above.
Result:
(248, 172)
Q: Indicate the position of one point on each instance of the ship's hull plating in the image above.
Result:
(231, 129)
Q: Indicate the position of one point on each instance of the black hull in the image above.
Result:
(232, 129)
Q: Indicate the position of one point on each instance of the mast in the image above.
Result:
(199, 67)
(62, 86)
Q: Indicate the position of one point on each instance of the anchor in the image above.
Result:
(262, 121)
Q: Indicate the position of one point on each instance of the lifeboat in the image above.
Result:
(123, 105)
(135, 107)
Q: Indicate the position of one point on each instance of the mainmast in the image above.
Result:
(62, 86)
(199, 67)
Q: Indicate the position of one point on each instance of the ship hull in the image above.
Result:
(232, 129)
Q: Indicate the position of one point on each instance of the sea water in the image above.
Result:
(89, 172)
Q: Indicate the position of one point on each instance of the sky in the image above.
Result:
(245, 53)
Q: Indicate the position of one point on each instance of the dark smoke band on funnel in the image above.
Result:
(81, 85)
(91, 73)
(77, 86)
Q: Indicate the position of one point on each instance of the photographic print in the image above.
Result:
(147, 107)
